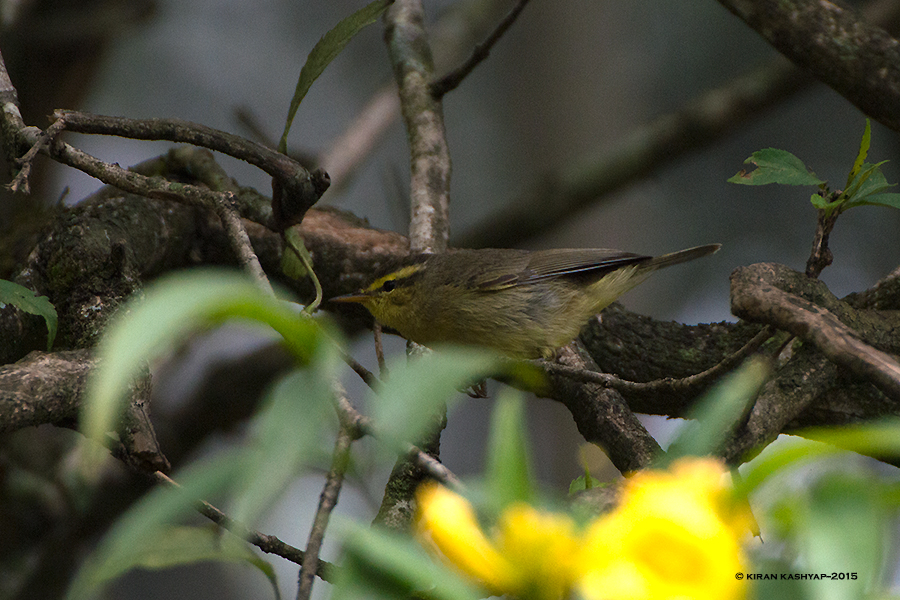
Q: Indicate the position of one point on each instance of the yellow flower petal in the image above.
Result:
(447, 521)
(541, 546)
(673, 536)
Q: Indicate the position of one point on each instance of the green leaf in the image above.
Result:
(27, 301)
(405, 407)
(173, 307)
(871, 439)
(292, 264)
(871, 183)
(822, 203)
(776, 166)
(889, 200)
(294, 429)
(182, 545)
(325, 50)
(881, 438)
(382, 564)
(869, 180)
(786, 453)
(148, 520)
(509, 474)
(719, 411)
(844, 532)
(862, 154)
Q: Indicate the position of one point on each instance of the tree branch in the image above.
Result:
(411, 59)
(756, 297)
(451, 80)
(858, 60)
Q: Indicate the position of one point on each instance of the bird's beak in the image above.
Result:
(355, 298)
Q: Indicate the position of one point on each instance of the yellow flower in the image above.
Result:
(540, 545)
(674, 535)
(446, 521)
(529, 556)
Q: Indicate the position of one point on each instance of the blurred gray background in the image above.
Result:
(570, 79)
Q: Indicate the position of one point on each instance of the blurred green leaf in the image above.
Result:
(27, 301)
(509, 474)
(776, 589)
(844, 532)
(181, 545)
(776, 166)
(717, 413)
(325, 50)
(173, 307)
(290, 432)
(871, 439)
(145, 522)
(881, 438)
(381, 564)
(787, 452)
(405, 406)
(862, 154)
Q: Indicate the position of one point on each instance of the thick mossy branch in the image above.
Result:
(842, 371)
(778, 296)
(858, 60)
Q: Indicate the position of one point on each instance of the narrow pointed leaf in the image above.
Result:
(325, 50)
(862, 154)
(869, 177)
(182, 545)
(872, 439)
(843, 532)
(294, 429)
(509, 472)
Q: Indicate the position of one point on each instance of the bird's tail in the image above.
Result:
(674, 258)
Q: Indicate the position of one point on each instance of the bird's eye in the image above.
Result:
(389, 285)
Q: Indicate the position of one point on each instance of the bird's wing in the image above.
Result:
(555, 263)
(531, 267)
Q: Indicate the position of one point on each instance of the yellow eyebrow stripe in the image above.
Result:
(396, 275)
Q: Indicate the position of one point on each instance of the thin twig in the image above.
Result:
(327, 501)
(435, 468)
(451, 80)
(366, 375)
(20, 182)
(820, 256)
(267, 543)
(379, 350)
(177, 130)
(429, 227)
(685, 384)
(240, 241)
(359, 425)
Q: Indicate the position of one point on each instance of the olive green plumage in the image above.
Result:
(523, 304)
